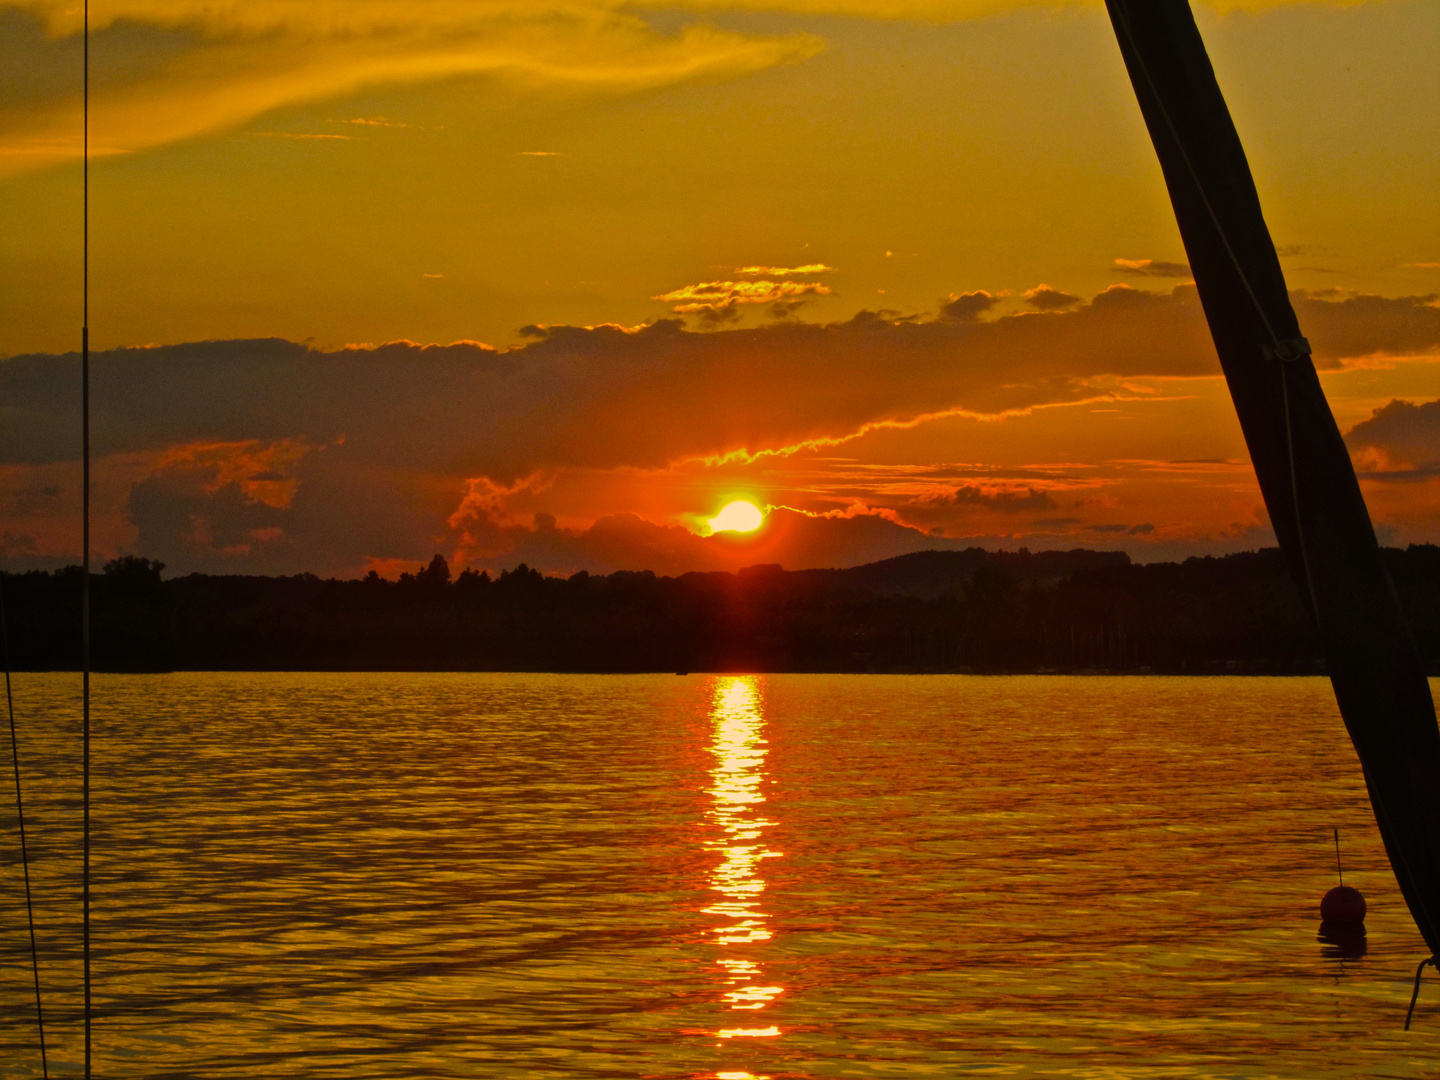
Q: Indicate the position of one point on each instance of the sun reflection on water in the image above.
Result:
(738, 746)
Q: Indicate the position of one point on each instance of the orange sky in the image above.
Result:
(906, 271)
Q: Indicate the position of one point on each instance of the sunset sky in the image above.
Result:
(554, 282)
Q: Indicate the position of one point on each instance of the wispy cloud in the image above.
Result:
(942, 10)
(1124, 530)
(722, 295)
(1151, 268)
(377, 121)
(784, 271)
(234, 60)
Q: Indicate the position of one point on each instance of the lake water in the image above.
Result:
(722, 877)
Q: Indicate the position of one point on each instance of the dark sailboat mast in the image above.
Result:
(85, 539)
(1300, 459)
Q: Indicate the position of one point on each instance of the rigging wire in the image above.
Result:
(1123, 19)
(1284, 351)
(85, 529)
(24, 849)
(1295, 490)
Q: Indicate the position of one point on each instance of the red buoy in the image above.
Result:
(1342, 904)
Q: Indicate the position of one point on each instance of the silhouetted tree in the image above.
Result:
(986, 611)
(471, 582)
(132, 569)
(437, 574)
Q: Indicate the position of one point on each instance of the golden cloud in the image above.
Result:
(245, 59)
(719, 295)
(945, 10)
(336, 18)
(784, 271)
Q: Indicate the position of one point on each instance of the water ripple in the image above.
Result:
(732, 878)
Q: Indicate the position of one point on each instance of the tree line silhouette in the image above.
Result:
(973, 610)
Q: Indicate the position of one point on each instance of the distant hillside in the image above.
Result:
(972, 610)
(931, 574)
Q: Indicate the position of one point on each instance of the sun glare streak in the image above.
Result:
(738, 746)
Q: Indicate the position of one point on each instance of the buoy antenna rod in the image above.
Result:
(1415, 994)
(1338, 871)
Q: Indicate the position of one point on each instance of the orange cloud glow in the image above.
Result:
(628, 432)
(262, 472)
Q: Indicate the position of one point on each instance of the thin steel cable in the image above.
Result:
(85, 531)
(24, 848)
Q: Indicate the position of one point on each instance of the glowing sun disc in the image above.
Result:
(737, 517)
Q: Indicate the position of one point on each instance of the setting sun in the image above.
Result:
(737, 517)
(412, 340)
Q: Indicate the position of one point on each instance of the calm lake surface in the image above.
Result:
(723, 877)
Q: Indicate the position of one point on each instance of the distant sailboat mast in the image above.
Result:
(1301, 462)
(85, 527)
